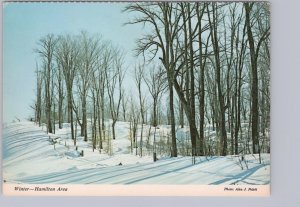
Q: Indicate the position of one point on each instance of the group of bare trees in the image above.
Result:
(215, 56)
(76, 74)
(209, 61)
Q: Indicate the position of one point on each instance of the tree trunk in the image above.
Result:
(102, 108)
(238, 92)
(141, 140)
(54, 117)
(254, 83)
(181, 115)
(84, 118)
(221, 105)
(70, 109)
(172, 119)
(154, 122)
(113, 129)
(94, 122)
(99, 123)
(60, 99)
(60, 112)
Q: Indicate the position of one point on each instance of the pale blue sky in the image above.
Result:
(25, 23)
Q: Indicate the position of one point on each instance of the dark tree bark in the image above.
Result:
(254, 52)
(88, 57)
(202, 63)
(114, 80)
(240, 51)
(155, 86)
(221, 105)
(46, 51)
(67, 55)
(139, 74)
(38, 105)
(167, 21)
(60, 88)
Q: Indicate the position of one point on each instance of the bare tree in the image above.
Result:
(38, 104)
(124, 105)
(202, 56)
(156, 85)
(61, 93)
(213, 70)
(139, 74)
(254, 52)
(164, 19)
(213, 23)
(134, 118)
(95, 91)
(102, 65)
(67, 54)
(114, 80)
(46, 51)
(240, 47)
(88, 56)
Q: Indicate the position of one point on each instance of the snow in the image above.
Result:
(72, 154)
(30, 156)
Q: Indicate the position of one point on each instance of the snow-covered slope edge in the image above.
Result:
(29, 157)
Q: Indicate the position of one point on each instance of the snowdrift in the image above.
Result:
(29, 156)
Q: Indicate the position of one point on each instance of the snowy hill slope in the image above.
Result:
(29, 157)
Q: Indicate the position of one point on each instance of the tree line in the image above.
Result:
(209, 61)
(73, 70)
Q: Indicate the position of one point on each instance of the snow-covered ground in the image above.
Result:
(30, 157)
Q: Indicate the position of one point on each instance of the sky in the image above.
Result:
(25, 23)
